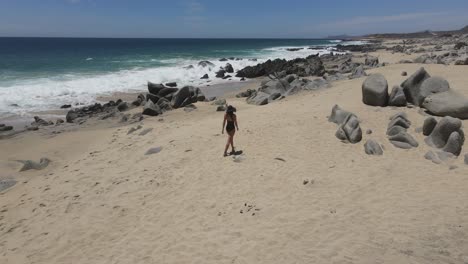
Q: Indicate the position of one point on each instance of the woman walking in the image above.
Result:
(231, 119)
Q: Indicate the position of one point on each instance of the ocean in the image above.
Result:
(40, 74)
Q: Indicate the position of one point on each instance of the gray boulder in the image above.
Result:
(371, 61)
(358, 72)
(123, 106)
(164, 104)
(403, 140)
(371, 147)
(431, 86)
(32, 165)
(221, 108)
(206, 64)
(449, 103)
(154, 88)
(392, 131)
(350, 130)
(412, 86)
(399, 119)
(375, 90)
(219, 102)
(447, 135)
(187, 95)
(429, 125)
(338, 115)
(258, 98)
(220, 74)
(397, 97)
(228, 68)
(151, 109)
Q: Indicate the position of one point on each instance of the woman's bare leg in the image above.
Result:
(232, 142)
(227, 145)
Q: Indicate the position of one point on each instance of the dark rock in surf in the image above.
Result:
(171, 84)
(205, 77)
(155, 88)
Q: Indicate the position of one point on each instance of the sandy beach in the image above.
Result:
(296, 195)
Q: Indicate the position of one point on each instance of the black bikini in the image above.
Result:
(230, 126)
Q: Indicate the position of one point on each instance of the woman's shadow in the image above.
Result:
(236, 153)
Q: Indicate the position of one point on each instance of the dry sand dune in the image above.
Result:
(103, 201)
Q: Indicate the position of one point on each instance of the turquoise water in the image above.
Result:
(44, 73)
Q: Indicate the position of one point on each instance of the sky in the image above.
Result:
(226, 19)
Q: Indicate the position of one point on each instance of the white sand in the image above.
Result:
(103, 201)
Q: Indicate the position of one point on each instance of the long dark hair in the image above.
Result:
(230, 111)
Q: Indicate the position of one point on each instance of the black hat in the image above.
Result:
(231, 109)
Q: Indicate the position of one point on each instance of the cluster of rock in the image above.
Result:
(397, 132)
(420, 89)
(337, 65)
(158, 100)
(279, 87)
(310, 66)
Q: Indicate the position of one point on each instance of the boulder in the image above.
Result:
(392, 131)
(338, 115)
(247, 93)
(164, 104)
(358, 72)
(371, 61)
(123, 106)
(371, 147)
(412, 86)
(429, 125)
(167, 91)
(460, 45)
(220, 73)
(399, 119)
(155, 88)
(219, 102)
(151, 109)
(397, 97)
(33, 165)
(258, 98)
(221, 108)
(152, 97)
(139, 101)
(171, 84)
(447, 135)
(350, 130)
(431, 85)
(375, 90)
(448, 103)
(227, 77)
(404, 73)
(228, 68)
(187, 95)
(403, 140)
(205, 77)
(206, 64)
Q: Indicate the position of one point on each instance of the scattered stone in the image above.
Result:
(280, 159)
(358, 72)
(375, 90)
(6, 184)
(369, 131)
(429, 125)
(41, 122)
(460, 45)
(59, 121)
(32, 165)
(221, 108)
(404, 73)
(412, 86)
(153, 151)
(205, 77)
(139, 101)
(371, 147)
(187, 95)
(397, 97)
(350, 130)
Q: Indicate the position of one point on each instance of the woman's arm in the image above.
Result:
(235, 122)
(224, 124)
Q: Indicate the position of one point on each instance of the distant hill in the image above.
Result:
(422, 34)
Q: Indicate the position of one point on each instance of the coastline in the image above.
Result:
(297, 194)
